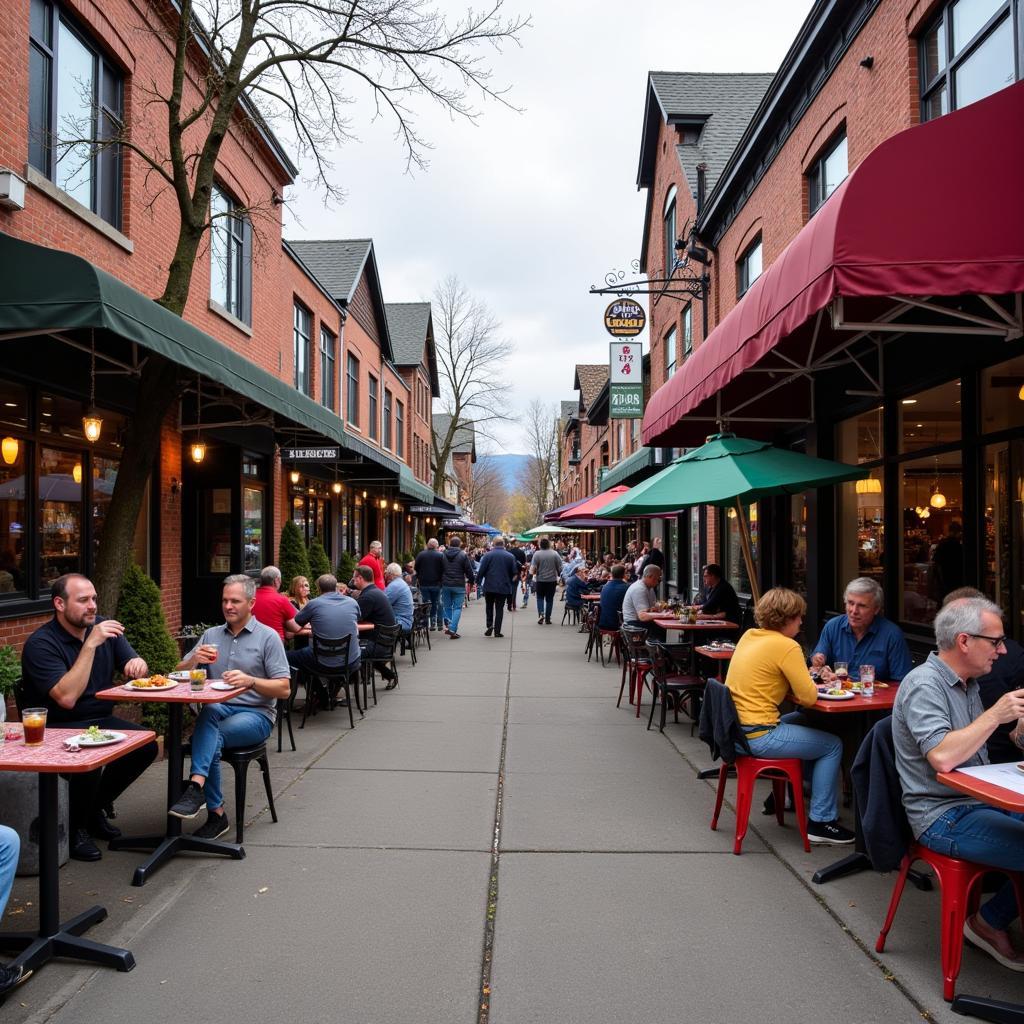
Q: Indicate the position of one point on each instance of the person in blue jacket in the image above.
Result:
(576, 588)
(499, 572)
(612, 594)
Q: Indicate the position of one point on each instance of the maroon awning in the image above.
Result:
(937, 210)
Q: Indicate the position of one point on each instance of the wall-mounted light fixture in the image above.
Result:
(198, 452)
(294, 476)
(336, 487)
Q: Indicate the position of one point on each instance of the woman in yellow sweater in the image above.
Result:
(767, 667)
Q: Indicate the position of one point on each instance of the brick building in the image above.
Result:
(261, 351)
(843, 321)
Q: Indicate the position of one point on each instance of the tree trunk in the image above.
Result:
(158, 390)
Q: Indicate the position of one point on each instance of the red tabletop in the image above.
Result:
(366, 627)
(591, 597)
(50, 755)
(716, 653)
(883, 700)
(181, 694)
(695, 626)
(986, 792)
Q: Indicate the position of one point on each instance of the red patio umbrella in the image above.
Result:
(586, 509)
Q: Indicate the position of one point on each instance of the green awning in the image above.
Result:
(409, 486)
(629, 469)
(44, 290)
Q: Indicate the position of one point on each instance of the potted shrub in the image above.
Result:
(319, 563)
(346, 567)
(292, 559)
(10, 673)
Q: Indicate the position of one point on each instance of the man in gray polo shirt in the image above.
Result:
(638, 604)
(938, 725)
(332, 615)
(242, 652)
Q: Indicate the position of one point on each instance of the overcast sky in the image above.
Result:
(530, 209)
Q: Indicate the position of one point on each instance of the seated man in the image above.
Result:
(243, 652)
(863, 636)
(374, 607)
(576, 587)
(332, 616)
(64, 663)
(717, 598)
(939, 725)
(638, 603)
(273, 608)
(10, 846)
(397, 591)
(612, 595)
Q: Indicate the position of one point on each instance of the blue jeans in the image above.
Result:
(545, 598)
(10, 844)
(821, 753)
(432, 598)
(451, 604)
(986, 835)
(219, 726)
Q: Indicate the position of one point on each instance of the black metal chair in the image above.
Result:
(284, 712)
(407, 641)
(667, 684)
(334, 678)
(384, 640)
(572, 613)
(421, 622)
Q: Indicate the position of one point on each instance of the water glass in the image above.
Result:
(867, 680)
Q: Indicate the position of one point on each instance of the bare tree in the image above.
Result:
(299, 64)
(539, 476)
(487, 495)
(470, 358)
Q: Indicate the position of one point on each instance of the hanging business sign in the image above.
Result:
(625, 362)
(626, 401)
(624, 318)
(310, 454)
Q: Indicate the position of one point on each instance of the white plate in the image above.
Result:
(221, 685)
(171, 684)
(84, 740)
(847, 695)
(182, 677)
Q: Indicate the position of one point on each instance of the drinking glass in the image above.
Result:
(197, 678)
(33, 721)
(867, 680)
(842, 674)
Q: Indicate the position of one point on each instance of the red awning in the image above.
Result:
(589, 506)
(937, 210)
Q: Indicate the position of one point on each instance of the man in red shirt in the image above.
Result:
(272, 608)
(375, 560)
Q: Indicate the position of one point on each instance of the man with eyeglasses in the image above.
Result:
(938, 725)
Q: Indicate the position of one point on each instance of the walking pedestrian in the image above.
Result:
(546, 567)
(498, 574)
(429, 572)
(458, 574)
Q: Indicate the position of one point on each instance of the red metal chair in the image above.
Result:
(635, 665)
(748, 770)
(961, 895)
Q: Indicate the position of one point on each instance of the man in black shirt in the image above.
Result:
(717, 596)
(374, 607)
(63, 665)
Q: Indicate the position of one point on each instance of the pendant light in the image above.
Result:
(938, 499)
(336, 487)
(294, 476)
(9, 449)
(76, 472)
(92, 423)
(198, 448)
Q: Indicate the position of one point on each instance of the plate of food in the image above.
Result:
(94, 736)
(151, 683)
(836, 694)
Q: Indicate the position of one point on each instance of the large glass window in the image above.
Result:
(372, 409)
(1002, 396)
(931, 503)
(827, 173)
(696, 568)
(76, 110)
(688, 331)
(669, 225)
(798, 545)
(970, 51)
(352, 390)
(252, 529)
(13, 518)
(749, 266)
(387, 418)
(861, 534)
(1003, 541)
(328, 346)
(60, 514)
(400, 429)
(735, 564)
(230, 256)
(670, 354)
(930, 418)
(302, 326)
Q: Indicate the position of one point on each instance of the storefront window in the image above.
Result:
(931, 503)
(1002, 573)
(696, 577)
(672, 552)
(12, 520)
(60, 514)
(860, 438)
(798, 550)
(736, 566)
(13, 406)
(252, 529)
(104, 476)
(215, 531)
(930, 418)
(1002, 396)
(861, 540)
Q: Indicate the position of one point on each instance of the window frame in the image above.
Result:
(106, 161)
(669, 230)
(946, 77)
(352, 389)
(328, 367)
(302, 345)
(816, 172)
(373, 407)
(399, 428)
(670, 342)
(236, 231)
(687, 319)
(743, 278)
(385, 433)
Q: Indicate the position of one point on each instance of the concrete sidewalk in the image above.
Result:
(495, 833)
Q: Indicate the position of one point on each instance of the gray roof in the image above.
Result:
(570, 410)
(408, 323)
(465, 436)
(336, 263)
(724, 102)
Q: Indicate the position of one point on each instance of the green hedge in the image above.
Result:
(292, 558)
(319, 563)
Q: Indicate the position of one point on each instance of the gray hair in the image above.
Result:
(393, 569)
(498, 542)
(865, 585)
(651, 570)
(270, 576)
(432, 543)
(247, 583)
(326, 583)
(962, 616)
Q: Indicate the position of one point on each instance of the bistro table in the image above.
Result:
(173, 841)
(54, 938)
(700, 626)
(723, 654)
(1009, 800)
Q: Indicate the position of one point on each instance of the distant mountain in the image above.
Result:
(509, 466)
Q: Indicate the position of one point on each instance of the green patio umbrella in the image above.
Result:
(729, 471)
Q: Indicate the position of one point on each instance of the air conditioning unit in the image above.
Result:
(12, 190)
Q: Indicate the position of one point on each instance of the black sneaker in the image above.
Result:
(499, 634)
(11, 978)
(190, 803)
(82, 847)
(830, 832)
(488, 631)
(214, 827)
